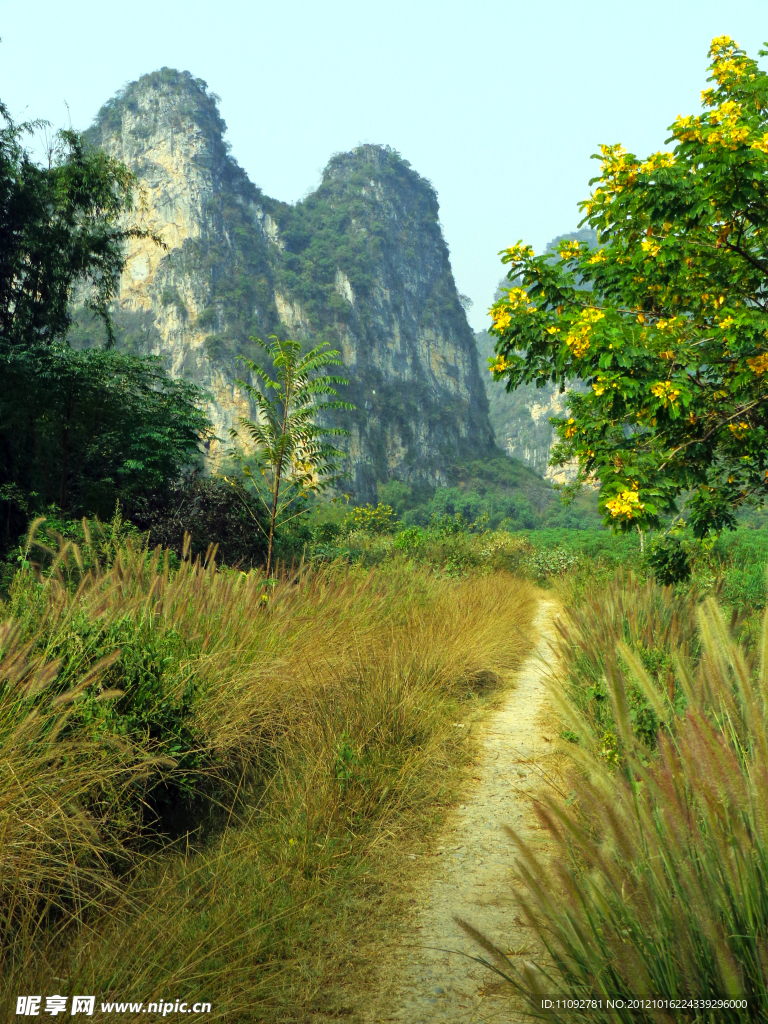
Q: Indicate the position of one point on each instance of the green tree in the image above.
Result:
(82, 430)
(292, 455)
(666, 322)
(60, 229)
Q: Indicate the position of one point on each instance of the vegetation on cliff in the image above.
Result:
(360, 263)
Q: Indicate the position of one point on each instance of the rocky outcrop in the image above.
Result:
(361, 263)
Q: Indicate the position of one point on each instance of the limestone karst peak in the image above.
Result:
(165, 99)
(360, 262)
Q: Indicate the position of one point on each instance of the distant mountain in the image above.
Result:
(361, 263)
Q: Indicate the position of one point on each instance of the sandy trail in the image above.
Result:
(472, 874)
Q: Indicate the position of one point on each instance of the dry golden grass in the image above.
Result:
(323, 707)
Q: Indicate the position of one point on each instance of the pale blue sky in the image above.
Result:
(499, 104)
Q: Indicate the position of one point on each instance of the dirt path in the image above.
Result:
(472, 874)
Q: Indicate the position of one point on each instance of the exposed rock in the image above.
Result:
(361, 263)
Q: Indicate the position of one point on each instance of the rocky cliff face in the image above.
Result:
(360, 263)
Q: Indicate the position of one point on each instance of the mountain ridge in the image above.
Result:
(360, 262)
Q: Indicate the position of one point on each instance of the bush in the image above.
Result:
(217, 513)
(544, 563)
(669, 558)
(373, 519)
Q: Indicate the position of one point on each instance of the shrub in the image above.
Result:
(215, 512)
(670, 561)
(374, 519)
(544, 563)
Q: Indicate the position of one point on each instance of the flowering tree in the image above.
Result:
(671, 340)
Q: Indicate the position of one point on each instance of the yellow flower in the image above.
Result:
(738, 429)
(500, 365)
(729, 137)
(577, 338)
(597, 257)
(656, 161)
(666, 391)
(591, 315)
(553, 330)
(599, 388)
(759, 364)
(519, 252)
(726, 114)
(726, 323)
(569, 250)
(649, 246)
(669, 354)
(626, 505)
(721, 45)
(570, 429)
(735, 66)
(501, 318)
(687, 129)
(518, 298)
(708, 97)
(761, 144)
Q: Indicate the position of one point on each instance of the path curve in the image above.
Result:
(473, 870)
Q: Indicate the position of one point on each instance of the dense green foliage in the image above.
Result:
(59, 226)
(84, 430)
(499, 491)
(671, 337)
(208, 513)
(79, 430)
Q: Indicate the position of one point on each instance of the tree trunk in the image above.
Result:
(273, 516)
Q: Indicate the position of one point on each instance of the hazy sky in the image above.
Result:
(500, 105)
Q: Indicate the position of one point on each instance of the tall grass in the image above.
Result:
(657, 881)
(211, 776)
